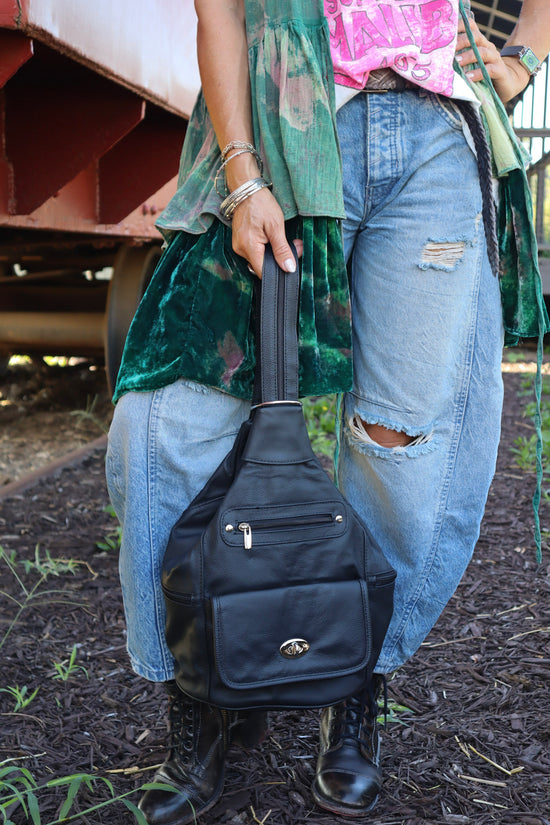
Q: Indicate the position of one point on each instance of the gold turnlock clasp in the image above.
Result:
(293, 648)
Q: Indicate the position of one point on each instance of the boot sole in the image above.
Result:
(192, 817)
(341, 810)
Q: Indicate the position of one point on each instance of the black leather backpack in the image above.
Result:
(276, 593)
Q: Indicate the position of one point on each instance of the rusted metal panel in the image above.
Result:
(137, 165)
(10, 12)
(148, 46)
(15, 50)
(82, 147)
(73, 210)
(51, 137)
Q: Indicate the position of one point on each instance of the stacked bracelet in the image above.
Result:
(239, 144)
(243, 148)
(228, 206)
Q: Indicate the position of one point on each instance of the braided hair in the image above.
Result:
(484, 166)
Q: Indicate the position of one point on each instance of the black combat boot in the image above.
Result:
(247, 728)
(199, 738)
(195, 765)
(348, 778)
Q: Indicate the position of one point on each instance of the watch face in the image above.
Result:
(530, 60)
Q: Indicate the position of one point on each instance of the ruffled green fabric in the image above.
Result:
(524, 312)
(523, 308)
(293, 112)
(196, 319)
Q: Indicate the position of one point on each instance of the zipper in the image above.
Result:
(188, 599)
(382, 579)
(277, 524)
(245, 528)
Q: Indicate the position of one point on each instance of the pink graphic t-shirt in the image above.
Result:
(416, 38)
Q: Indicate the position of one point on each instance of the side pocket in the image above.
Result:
(186, 636)
(380, 590)
(445, 107)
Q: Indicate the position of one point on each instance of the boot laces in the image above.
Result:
(181, 717)
(361, 712)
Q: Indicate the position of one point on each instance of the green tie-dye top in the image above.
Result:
(292, 96)
(196, 319)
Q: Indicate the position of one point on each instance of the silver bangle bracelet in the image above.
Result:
(237, 144)
(228, 206)
(225, 161)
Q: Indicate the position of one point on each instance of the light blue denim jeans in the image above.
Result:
(427, 350)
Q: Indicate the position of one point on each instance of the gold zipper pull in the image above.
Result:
(245, 528)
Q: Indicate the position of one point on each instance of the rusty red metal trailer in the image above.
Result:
(94, 101)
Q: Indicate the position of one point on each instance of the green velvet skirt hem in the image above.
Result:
(196, 319)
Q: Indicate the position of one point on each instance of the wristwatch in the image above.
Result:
(525, 55)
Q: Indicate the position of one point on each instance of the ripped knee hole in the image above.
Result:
(383, 436)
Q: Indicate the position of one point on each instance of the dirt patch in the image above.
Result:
(473, 746)
(48, 410)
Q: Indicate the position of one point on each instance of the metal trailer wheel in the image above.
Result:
(133, 269)
(4, 364)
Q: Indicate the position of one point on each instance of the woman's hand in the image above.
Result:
(508, 75)
(257, 221)
(222, 52)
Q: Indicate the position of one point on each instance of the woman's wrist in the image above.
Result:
(240, 194)
(240, 169)
(515, 82)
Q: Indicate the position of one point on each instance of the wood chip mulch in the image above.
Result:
(473, 746)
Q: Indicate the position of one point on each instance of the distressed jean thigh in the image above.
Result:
(427, 337)
(163, 447)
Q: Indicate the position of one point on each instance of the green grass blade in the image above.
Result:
(108, 783)
(34, 808)
(157, 786)
(140, 818)
(71, 793)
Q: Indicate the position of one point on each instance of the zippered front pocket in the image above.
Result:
(248, 529)
(251, 527)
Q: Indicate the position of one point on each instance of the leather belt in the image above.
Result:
(386, 80)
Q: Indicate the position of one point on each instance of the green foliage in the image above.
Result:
(514, 356)
(320, 415)
(89, 414)
(44, 565)
(525, 445)
(66, 670)
(21, 696)
(56, 360)
(112, 539)
(18, 788)
(393, 715)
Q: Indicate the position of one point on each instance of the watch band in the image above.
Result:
(525, 55)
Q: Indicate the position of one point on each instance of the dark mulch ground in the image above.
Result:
(474, 747)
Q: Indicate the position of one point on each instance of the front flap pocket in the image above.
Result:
(291, 634)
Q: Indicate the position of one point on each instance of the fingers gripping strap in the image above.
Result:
(279, 331)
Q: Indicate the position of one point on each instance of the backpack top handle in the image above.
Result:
(277, 366)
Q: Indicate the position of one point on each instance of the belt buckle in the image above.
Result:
(382, 80)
